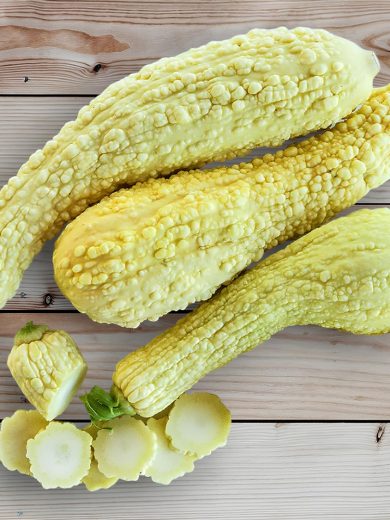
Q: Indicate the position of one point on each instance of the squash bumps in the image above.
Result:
(209, 103)
(166, 243)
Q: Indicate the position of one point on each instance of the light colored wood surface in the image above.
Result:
(266, 472)
(56, 45)
(301, 373)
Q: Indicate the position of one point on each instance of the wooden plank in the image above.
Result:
(77, 47)
(267, 471)
(301, 373)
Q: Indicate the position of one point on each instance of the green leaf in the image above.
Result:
(103, 406)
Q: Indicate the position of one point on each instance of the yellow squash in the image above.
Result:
(48, 367)
(163, 244)
(336, 276)
(205, 104)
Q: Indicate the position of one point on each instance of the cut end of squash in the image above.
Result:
(65, 392)
(48, 367)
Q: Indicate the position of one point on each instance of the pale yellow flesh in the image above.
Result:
(66, 391)
(125, 448)
(96, 480)
(15, 431)
(206, 104)
(60, 455)
(198, 424)
(168, 463)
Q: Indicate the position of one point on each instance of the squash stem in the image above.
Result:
(30, 332)
(104, 406)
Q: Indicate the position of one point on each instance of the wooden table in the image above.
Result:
(310, 407)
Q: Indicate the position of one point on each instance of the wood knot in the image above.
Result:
(48, 299)
(380, 432)
(26, 78)
(97, 67)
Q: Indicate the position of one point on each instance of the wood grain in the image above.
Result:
(78, 48)
(267, 471)
(301, 373)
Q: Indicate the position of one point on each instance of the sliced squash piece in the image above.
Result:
(15, 431)
(168, 464)
(198, 424)
(95, 479)
(60, 455)
(124, 448)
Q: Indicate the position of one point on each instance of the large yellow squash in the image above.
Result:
(205, 104)
(169, 242)
(336, 276)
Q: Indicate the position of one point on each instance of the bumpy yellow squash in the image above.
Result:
(208, 103)
(166, 243)
(336, 276)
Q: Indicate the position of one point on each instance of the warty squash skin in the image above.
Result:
(210, 103)
(163, 244)
(48, 367)
(336, 276)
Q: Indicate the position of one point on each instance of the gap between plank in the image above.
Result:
(65, 311)
(49, 95)
(285, 421)
(277, 421)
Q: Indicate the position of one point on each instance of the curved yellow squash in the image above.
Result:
(166, 243)
(205, 104)
(336, 276)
